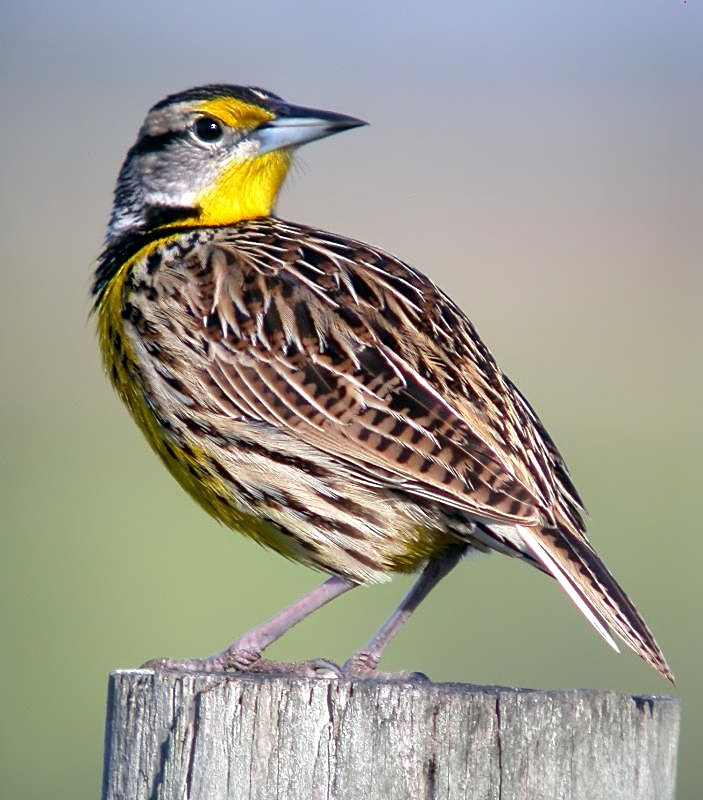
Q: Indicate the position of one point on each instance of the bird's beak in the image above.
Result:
(295, 125)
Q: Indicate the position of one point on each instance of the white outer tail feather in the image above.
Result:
(542, 554)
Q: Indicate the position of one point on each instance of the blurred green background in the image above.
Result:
(541, 160)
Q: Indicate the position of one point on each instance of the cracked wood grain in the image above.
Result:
(204, 737)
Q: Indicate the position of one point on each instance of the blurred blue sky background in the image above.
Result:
(541, 160)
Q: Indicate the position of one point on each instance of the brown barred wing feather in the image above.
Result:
(339, 347)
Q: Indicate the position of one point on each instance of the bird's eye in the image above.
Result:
(207, 129)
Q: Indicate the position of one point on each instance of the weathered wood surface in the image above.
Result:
(205, 737)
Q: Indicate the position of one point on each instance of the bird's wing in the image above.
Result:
(363, 357)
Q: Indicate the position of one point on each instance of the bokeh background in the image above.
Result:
(543, 161)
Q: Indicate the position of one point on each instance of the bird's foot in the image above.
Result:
(247, 661)
(312, 668)
(362, 666)
(240, 660)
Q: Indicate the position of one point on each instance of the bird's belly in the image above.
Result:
(289, 497)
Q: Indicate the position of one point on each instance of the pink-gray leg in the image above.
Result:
(365, 660)
(245, 653)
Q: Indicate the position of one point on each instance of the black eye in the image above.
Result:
(207, 129)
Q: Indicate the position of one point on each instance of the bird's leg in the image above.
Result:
(364, 661)
(244, 655)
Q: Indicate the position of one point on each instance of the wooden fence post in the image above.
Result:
(255, 737)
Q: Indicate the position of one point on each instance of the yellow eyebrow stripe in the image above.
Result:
(235, 113)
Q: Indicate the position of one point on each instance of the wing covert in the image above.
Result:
(348, 350)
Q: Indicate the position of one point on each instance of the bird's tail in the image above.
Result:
(570, 559)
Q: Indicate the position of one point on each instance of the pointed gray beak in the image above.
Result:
(295, 125)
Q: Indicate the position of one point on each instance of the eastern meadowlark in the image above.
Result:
(314, 392)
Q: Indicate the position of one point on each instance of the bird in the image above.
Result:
(316, 393)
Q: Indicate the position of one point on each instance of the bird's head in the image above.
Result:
(212, 155)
